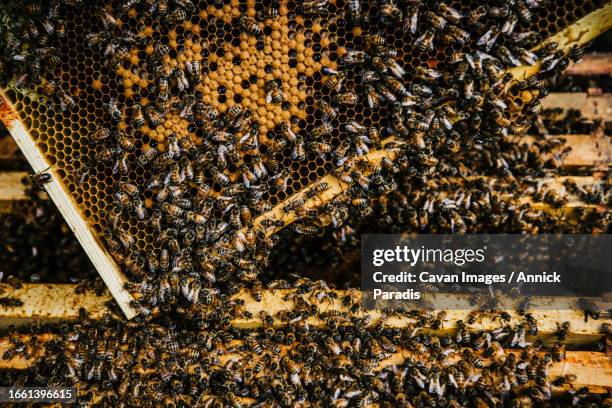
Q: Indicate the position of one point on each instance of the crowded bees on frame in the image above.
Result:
(212, 175)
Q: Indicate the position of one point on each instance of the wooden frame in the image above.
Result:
(101, 259)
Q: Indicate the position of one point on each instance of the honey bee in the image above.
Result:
(347, 98)
(354, 11)
(180, 79)
(274, 93)
(411, 17)
(396, 86)
(113, 109)
(287, 133)
(314, 7)
(162, 88)
(388, 12)
(321, 131)
(138, 116)
(125, 238)
(299, 152)
(449, 13)
(488, 39)
(334, 81)
(250, 140)
(38, 180)
(101, 133)
(147, 156)
(316, 190)
(193, 71)
(353, 57)
(281, 179)
(250, 26)
(591, 309)
(124, 141)
(425, 42)
(457, 35)
(321, 148)
(153, 116)
(329, 112)
(248, 177)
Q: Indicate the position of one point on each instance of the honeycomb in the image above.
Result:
(235, 69)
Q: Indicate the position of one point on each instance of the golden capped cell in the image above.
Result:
(172, 35)
(122, 125)
(261, 112)
(149, 50)
(97, 84)
(172, 44)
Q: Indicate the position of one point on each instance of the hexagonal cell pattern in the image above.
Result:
(235, 69)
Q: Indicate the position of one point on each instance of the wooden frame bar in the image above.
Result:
(592, 64)
(581, 32)
(54, 302)
(103, 262)
(592, 369)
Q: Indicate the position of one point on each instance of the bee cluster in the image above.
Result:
(180, 172)
(559, 121)
(352, 363)
(181, 122)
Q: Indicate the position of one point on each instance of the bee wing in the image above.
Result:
(245, 137)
